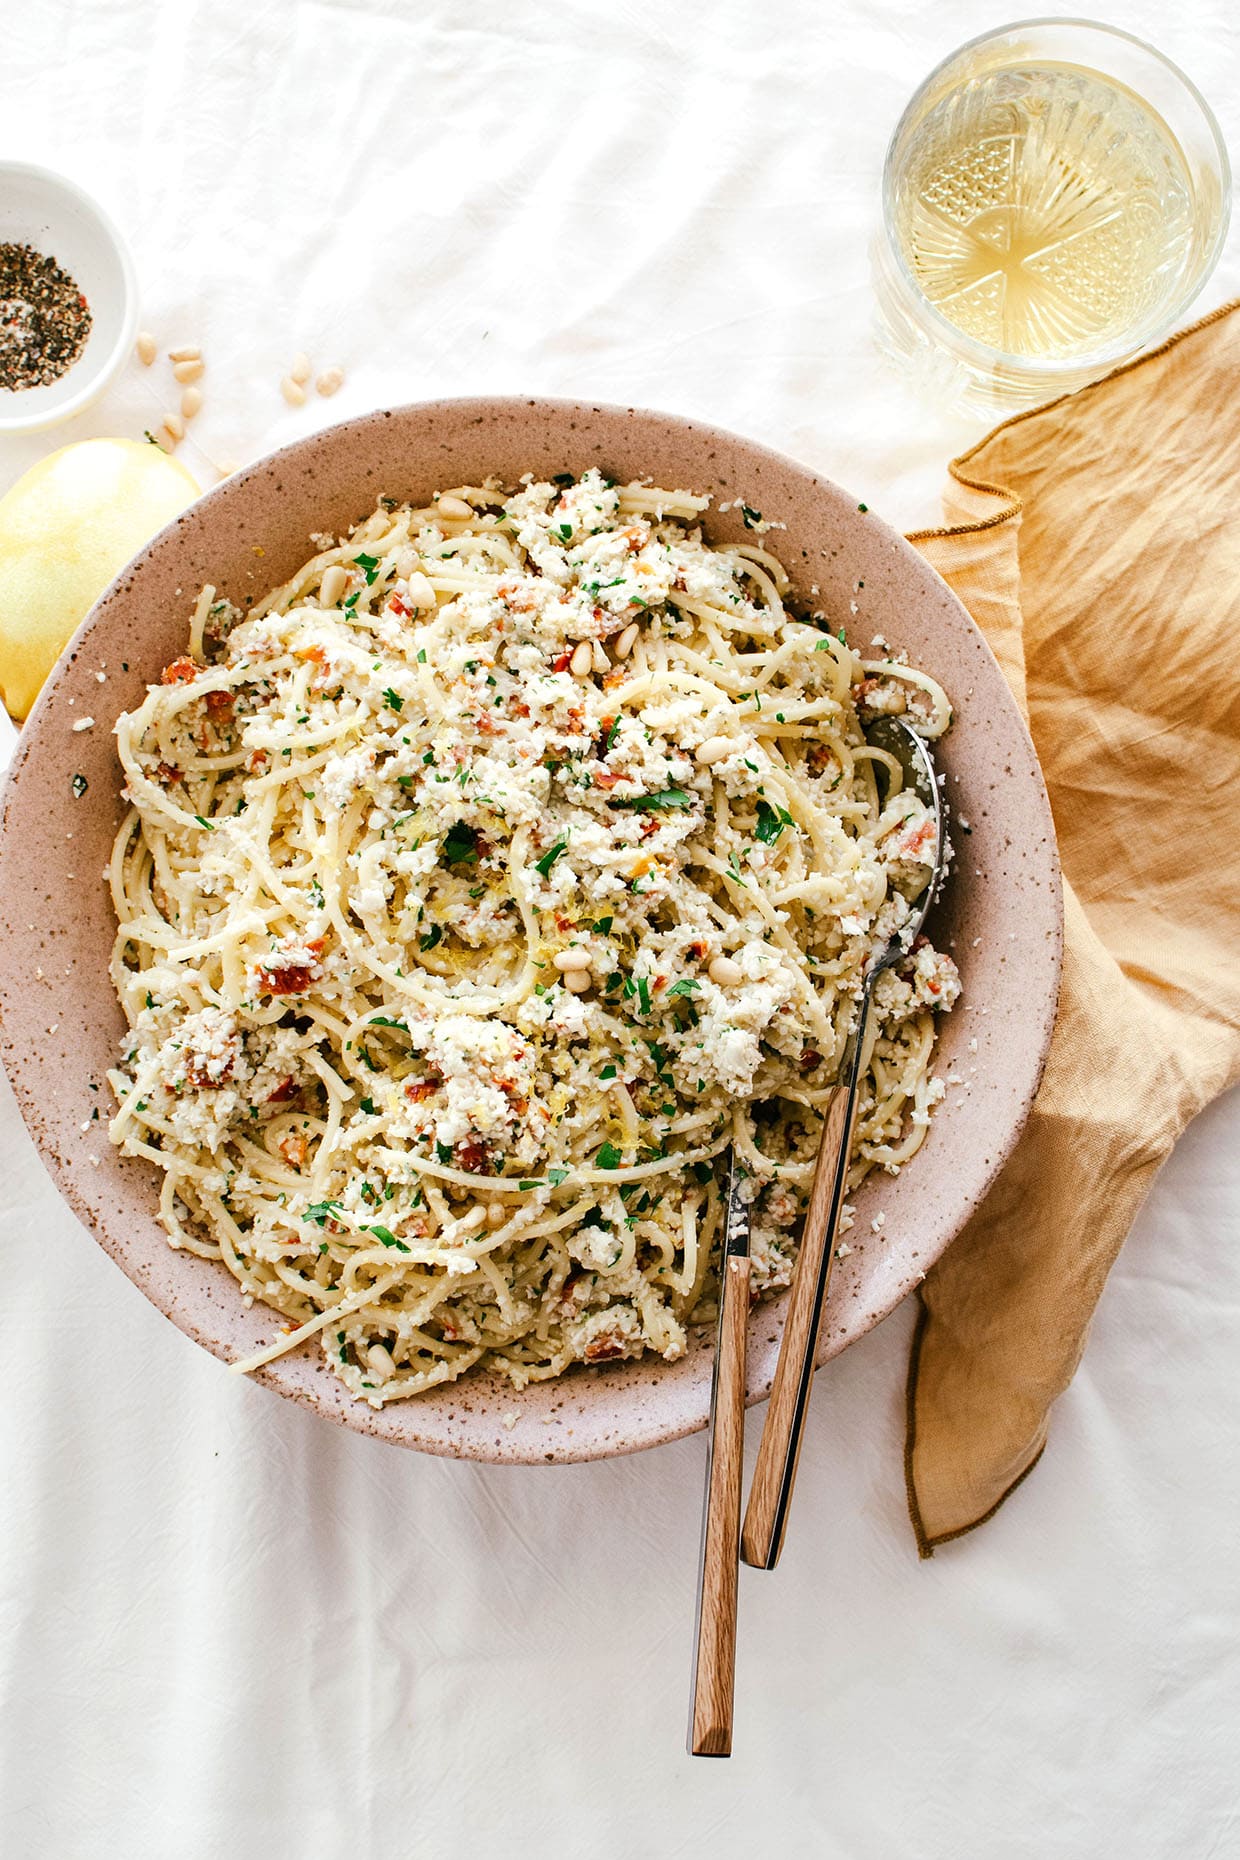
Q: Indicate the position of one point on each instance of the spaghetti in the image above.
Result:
(478, 888)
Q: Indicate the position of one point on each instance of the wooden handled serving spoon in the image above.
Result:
(714, 1634)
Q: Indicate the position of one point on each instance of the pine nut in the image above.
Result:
(582, 662)
(190, 354)
(455, 507)
(292, 392)
(497, 1214)
(174, 426)
(568, 959)
(577, 981)
(301, 369)
(421, 593)
(191, 403)
(186, 372)
(469, 1223)
(330, 381)
(380, 1360)
(626, 642)
(725, 972)
(145, 347)
(714, 749)
(335, 581)
(601, 662)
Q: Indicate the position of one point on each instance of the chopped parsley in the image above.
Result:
(750, 518)
(548, 859)
(370, 566)
(609, 1157)
(320, 1212)
(460, 844)
(387, 1238)
(771, 822)
(682, 988)
(434, 935)
(392, 701)
(653, 803)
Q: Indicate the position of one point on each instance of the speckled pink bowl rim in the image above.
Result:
(1001, 915)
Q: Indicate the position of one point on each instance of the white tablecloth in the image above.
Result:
(227, 1628)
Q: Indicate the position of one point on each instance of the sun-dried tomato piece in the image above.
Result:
(181, 672)
(293, 980)
(472, 1155)
(605, 1348)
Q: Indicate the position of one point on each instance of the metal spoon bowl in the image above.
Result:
(901, 741)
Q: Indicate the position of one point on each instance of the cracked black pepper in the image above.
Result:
(44, 318)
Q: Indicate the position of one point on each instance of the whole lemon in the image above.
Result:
(66, 529)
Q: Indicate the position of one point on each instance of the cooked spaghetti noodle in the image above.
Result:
(478, 888)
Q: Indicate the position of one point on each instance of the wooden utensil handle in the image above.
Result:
(714, 1659)
(780, 1448)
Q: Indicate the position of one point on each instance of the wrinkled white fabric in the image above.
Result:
(228, 1628)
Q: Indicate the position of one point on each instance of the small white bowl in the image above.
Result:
(44, 210)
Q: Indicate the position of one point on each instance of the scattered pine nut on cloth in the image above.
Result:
(1095, 541)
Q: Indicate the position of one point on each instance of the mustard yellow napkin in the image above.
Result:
(1096, 541)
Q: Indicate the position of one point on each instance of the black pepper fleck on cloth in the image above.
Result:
(44, 318)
